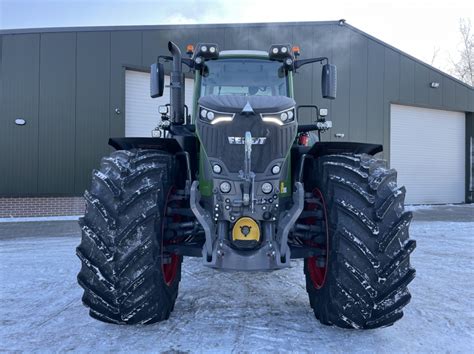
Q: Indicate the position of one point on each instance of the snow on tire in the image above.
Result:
(123, 274)
(368, 266)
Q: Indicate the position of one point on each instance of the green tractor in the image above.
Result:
(238, 182)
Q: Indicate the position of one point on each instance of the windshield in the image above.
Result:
(244, 77)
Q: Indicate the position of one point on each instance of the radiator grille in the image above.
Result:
(215, 141)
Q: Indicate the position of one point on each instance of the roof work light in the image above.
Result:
(280, 52)
(206, 51)
(283, 53)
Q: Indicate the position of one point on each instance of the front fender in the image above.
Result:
(340, 147)
(301, 153)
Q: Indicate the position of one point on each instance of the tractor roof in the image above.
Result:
(261, 54)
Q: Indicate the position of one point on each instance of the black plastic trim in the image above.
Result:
(169, 145)
(336, 147)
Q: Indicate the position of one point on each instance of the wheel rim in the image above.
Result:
(317, 273)
(169, 270)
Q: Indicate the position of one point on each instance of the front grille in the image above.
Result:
(215, 141)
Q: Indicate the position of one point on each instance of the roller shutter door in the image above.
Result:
(141, 111)
(427, 148)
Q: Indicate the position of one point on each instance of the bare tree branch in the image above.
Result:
(463, 67)
(435, 55)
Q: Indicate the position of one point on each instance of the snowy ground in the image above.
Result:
(221, 312)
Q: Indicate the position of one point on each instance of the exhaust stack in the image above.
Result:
(176, 86)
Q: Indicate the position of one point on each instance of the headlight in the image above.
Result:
(217, 168)
(214, 117)
(279, 118)
(267, 188)
(225, 187)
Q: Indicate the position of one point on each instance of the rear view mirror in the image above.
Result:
(157, 80)
(329, 81)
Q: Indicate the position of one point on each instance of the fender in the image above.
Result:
(172, 145)
(300, 153)
(180, 146)
(340, 147)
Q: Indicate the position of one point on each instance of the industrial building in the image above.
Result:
(65, 91)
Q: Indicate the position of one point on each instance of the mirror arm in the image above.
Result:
(308, 106)
(186, 61)
(301, 62)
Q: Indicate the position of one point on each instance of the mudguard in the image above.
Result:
(340, 147)
(300, 153)
(171, 145)
(184, 146)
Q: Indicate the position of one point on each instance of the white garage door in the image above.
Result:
(141, 111)
(427, 148)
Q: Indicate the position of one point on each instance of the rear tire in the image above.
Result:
(126, 277)
(367, 269)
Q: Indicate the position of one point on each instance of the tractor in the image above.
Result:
(237, 181)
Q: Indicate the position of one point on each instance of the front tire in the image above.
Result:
(126, 276)
(362, 281)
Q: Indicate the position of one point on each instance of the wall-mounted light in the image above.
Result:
(20, 121)
(342, 22)
(434, 84)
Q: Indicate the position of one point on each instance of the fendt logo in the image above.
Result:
(241, 140)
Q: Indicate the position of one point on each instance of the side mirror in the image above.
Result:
(329, 81)
(157, 80)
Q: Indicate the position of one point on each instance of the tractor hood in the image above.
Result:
(237, 104)
(221, 141)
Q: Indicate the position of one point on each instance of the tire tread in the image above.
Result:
(120, 275)
(369, 267)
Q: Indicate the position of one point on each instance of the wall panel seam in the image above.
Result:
(367, 91)
(384, 102)
(38, 115)
(349, 133)
(141, 47)
(75, 115)
(109, 115)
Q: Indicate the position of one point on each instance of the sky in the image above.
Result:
(417, 27)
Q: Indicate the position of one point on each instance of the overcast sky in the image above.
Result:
(414, 26)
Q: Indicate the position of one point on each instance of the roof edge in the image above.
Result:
(365, 34)
(152, 27)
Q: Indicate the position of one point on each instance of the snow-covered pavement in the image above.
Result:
(244, 312)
